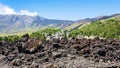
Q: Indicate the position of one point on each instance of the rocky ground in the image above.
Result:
(74, 53)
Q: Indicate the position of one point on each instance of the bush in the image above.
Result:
(40, 34)
(10, 38)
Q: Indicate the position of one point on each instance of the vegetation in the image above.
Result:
(41, 34)
(107, 29)
(10, 38)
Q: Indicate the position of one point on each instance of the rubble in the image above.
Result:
(73, 53)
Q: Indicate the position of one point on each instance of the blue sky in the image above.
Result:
(65, 9)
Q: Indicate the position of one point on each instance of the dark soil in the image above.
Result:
(74, 53)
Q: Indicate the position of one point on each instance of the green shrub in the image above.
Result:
(40, 34)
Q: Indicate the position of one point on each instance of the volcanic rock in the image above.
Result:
(74, 53)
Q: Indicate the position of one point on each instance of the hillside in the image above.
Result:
(16, 23)
(108, 28)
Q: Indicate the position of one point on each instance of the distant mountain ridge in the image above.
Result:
(13, 23)
(97, 18)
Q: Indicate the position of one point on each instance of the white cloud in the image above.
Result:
(26, 12)
(7, 10)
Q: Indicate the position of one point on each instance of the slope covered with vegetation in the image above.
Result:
(38, 34)
(109, 28)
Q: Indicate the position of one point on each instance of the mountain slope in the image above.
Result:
(15, 23)
(107, 28)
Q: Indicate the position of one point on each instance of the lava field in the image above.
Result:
(73, 53)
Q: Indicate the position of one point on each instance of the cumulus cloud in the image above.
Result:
(8, 10)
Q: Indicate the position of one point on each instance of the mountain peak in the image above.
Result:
(10, 23)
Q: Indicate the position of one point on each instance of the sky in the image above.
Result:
(61, 9)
